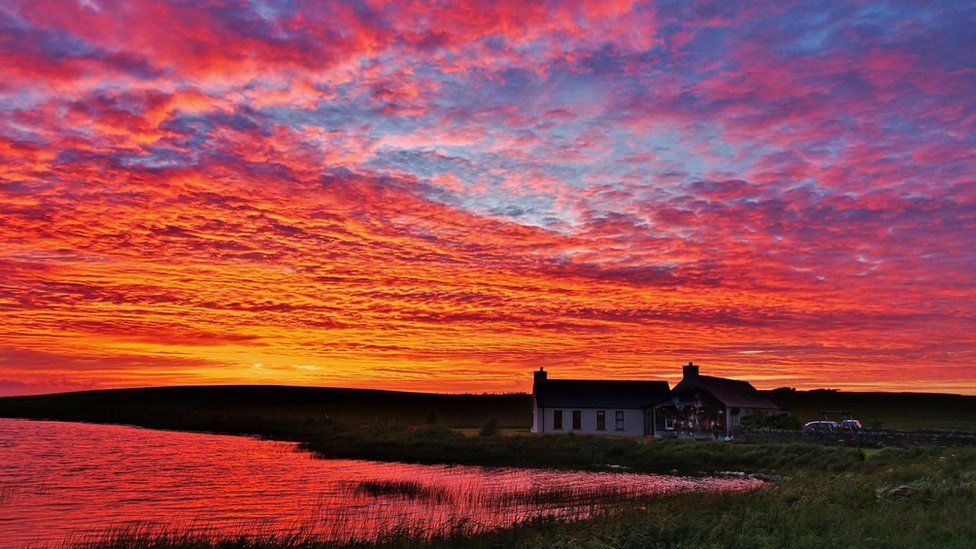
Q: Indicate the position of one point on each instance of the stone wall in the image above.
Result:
(875, 439)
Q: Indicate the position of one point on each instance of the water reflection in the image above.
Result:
(63, 481)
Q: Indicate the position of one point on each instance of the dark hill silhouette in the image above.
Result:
(225, 406)
(162, 406)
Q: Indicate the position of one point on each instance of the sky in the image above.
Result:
(446, 196)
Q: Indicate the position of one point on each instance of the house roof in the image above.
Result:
(731, 392)
(599, 393)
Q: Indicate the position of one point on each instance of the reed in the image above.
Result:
(453, 532)
(403, 489)
(895, 498)
(436, 516)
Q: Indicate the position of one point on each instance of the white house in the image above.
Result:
(595, 407)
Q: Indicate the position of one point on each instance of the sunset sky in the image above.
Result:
(405, 196)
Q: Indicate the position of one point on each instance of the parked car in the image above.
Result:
(850, 425)
(820, 426)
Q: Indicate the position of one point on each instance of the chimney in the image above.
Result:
(690, 370)
(541, 375)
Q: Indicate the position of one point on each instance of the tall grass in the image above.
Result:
(441, 527)
(895, 498)
(415, 512)
(403, 489)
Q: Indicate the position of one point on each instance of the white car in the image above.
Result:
(823, 426)
(850, 425)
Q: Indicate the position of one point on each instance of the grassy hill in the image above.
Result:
(901, 411)
(245, 404)
(223, 405)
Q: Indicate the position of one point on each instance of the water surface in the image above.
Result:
(69, 481)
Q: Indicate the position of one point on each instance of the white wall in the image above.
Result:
(633, 421)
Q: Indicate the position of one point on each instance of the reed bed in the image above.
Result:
(402, 489)
(475, 496)
(454, 533)
(394, 513)
(897, 498)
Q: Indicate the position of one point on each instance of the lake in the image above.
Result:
(62, 483)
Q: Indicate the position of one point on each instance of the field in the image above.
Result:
(823, 496)
(204, 403)
(901, 411)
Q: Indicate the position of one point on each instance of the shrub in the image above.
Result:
(490, 428)
(782, 421)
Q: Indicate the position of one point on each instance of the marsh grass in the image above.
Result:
(515, 503)
(421, 514)
(442, 530)
(897, 498)
(403, 489)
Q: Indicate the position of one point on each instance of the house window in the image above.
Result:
(618, 418)
(557, 420)
(577, 420)
(601, 420)
(669, 423)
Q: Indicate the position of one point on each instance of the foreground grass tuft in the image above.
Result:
(896, 498)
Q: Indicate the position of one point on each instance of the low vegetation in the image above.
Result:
(894, 498)
(758, 421)
(490, 428)
(440, 445)
(821, 496)
(402, 489)
(899, 411)
(222, 406)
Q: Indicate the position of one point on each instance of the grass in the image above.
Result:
(828, 496)
(253, 403)
(900, 411)
(922, 498)
(403, 489)
(896, 498)
(440, 445)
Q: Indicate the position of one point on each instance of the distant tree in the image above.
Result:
(490, 428)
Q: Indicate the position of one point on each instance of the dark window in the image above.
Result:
(618, 418)
(577, 420)
(601, 420)
(557, 419)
